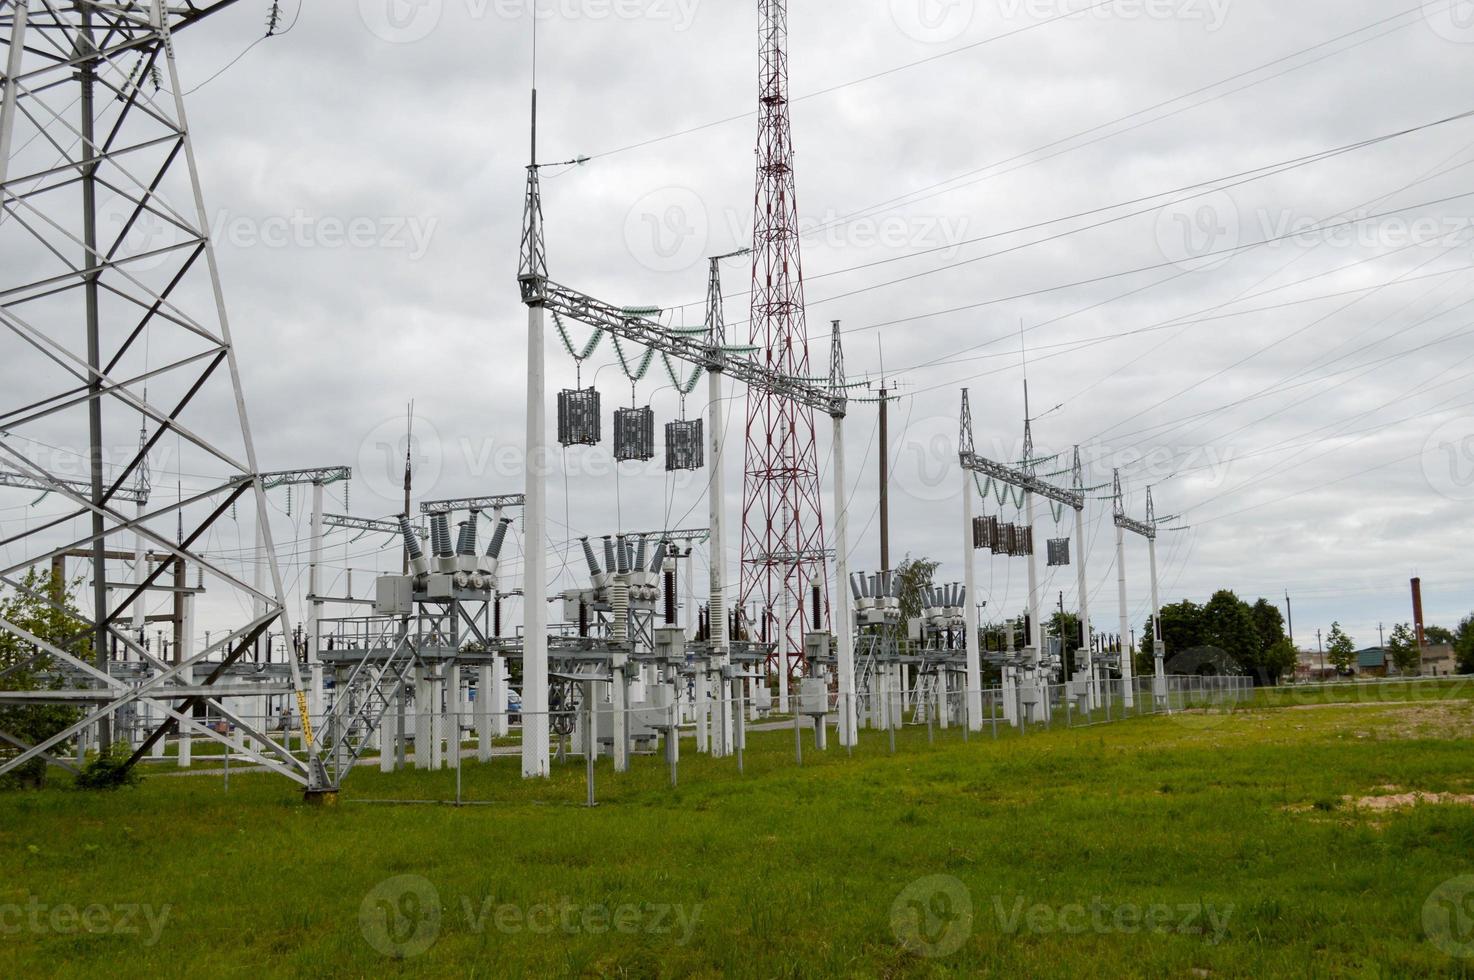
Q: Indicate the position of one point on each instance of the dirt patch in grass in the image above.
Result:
(1400, 801)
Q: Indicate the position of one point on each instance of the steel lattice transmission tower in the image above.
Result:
(117, 345)
(782, 521)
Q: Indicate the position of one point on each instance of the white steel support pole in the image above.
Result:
(1159, 648)
(1128, 694)
(843, 620)
(1041, 677)
(314, 604)
(1092, 695)
(721, 744)
(1036, 628)
(535, 744)
(501, 724)
(485, 705)
(974, 696)
(8, 96)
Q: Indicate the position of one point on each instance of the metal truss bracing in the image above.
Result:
(363, 524)
(473, 503)
(782, 510)
(1008, 475)
(116, 336)
(1147, 528)
(639, 328)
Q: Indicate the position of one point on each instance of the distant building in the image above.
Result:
(1371, 662)
(1439, 660)
(1312, 665)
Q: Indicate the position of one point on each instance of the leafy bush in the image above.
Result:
(110, 770)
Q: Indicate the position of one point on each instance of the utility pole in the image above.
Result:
(1381, 637)
(1290, 617)
(885, 480)
(1320, 647)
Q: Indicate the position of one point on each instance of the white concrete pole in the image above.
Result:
(1036, 627)
(844, 629)
(535, 742)
(1128, 694)
(1092, 695)
(501, 724)
(389, 729)
(1159, 647)
(485, 705)
(785, 610)
(974, 697)
(314, 605)
(1041, 677)
(717, 606)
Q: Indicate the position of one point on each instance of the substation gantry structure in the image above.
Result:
(722, 650)
(95, 146)
(1147, 529)
(1026, 677)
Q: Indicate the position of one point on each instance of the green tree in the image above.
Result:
(1464, 644)
(1279, 659)
(1065, 625)
(1439, 636)
(1182, 628)
(1269, 623)
(43, 608)
(916, 576)
(1340, 649)
(1228, 623)
(1402, 650)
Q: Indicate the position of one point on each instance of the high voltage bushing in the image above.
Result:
(578, 417)
(634, 434)
(685, 445)
(1059, 552)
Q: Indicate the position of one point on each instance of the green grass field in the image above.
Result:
(1200, 845)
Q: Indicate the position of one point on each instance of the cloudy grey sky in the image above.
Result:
(1086, 185)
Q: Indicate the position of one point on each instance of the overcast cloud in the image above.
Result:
(1302, 404)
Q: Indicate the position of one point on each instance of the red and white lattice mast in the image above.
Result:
(782, 523)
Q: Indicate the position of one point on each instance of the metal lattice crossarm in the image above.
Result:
(365, 524)
(19, 481)
(322, 476)
(1147, 528)
(1009, 476)
(473, 503)
(635, 326)
(698, 535)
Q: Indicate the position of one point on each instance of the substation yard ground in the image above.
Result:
(1267, 841)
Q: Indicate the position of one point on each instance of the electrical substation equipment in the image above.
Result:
(1059, 552)
(877, 598)
(685, 445)
(578, 417)
(634, 434)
